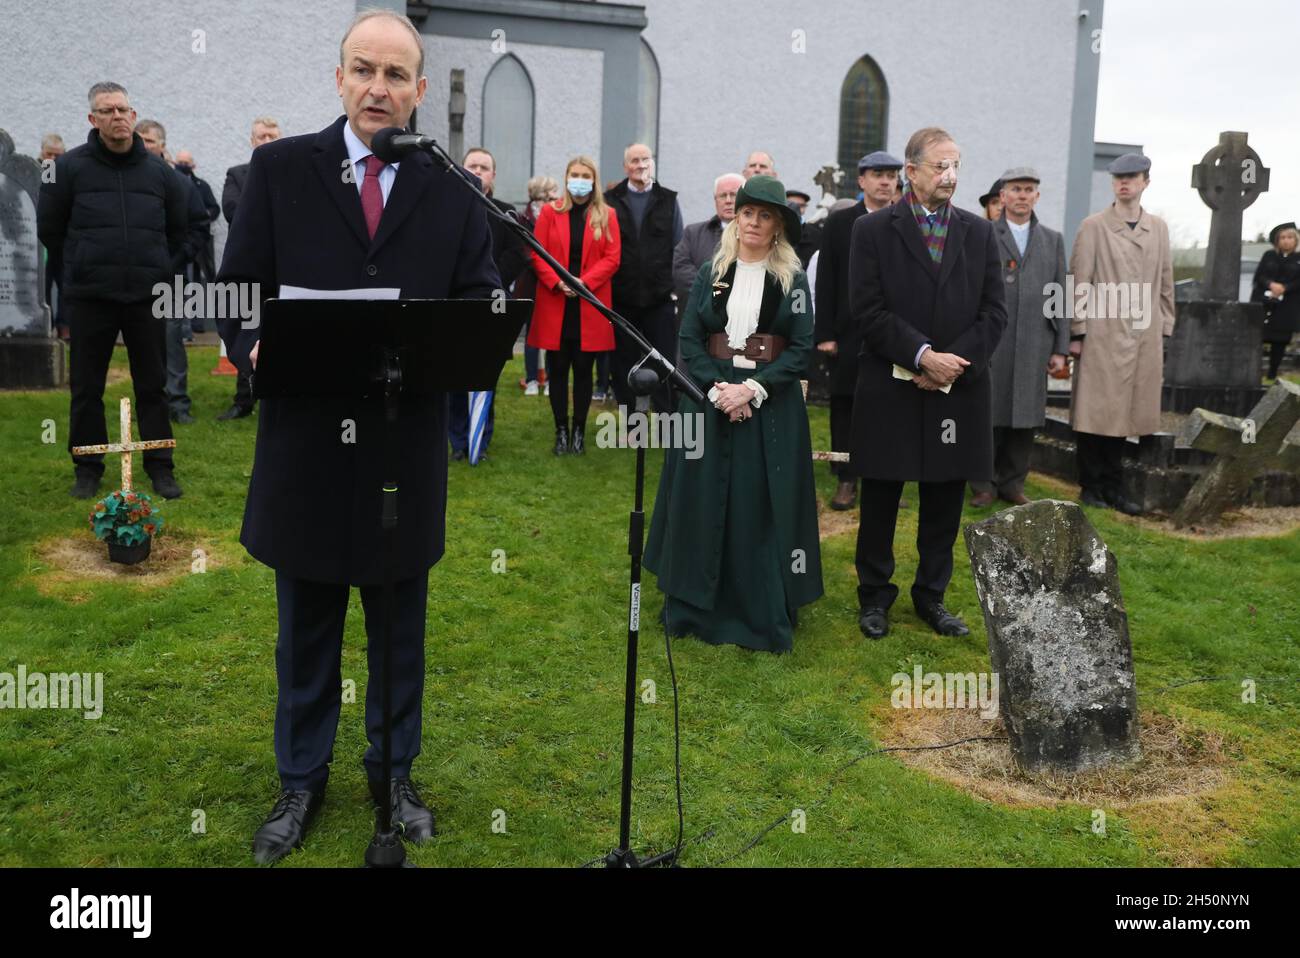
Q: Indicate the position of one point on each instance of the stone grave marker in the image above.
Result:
(1058, 637)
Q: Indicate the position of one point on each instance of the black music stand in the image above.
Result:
(395, 348)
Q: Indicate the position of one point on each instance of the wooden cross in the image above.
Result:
(126, 446)
(1266, 440)
(817, 455)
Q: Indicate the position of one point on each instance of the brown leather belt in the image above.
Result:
(761, 347)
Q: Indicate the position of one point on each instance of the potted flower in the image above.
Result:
(127, 521)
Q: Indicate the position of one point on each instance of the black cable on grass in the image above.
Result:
(709, 833)
(677, 768)
(1225, 678)
(830, 783)
(677, 750)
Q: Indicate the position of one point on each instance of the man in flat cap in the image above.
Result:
(1123, 306)
(838, 337)
(1033, 344)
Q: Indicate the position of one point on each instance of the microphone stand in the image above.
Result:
(651, 372)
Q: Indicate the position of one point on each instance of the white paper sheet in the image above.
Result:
(901, 373)
(303, 292)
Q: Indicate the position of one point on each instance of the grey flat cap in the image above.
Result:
(1021, 173)
(1129, 163)
(879, 160)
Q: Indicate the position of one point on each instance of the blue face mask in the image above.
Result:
(579, 187)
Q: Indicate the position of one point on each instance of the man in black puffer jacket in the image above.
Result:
(118, 217)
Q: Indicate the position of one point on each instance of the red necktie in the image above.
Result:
(372, 198)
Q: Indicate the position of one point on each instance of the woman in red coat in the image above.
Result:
(581, 232)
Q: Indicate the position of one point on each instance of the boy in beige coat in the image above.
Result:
(1123, 301)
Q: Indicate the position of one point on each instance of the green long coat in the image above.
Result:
(686, 532)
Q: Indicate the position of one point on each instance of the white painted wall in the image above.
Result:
(275, 57)
(731, 84)
(566, 91)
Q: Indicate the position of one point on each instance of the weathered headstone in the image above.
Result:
(31, 356)
(1058, 637)
(1213, 357)
(1266, 440)
(1229, 178)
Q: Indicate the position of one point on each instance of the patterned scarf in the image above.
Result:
(935, 232)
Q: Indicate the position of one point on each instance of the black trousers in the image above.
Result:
(95, 325)
(1011, 451)
(307, 656)
(1099, 461)
(244, 391)
(938, 521)
(558, 363)
(1275, 353)
(658, 325)
(841, 434)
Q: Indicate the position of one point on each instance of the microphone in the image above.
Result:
(392, 143)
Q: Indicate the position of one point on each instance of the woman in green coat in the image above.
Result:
(734, 538)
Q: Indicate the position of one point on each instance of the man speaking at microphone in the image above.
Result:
(321, 211)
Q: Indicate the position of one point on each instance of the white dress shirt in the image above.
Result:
(357, 153)
(1020, 233)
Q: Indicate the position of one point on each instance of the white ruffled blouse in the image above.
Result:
(742, 320)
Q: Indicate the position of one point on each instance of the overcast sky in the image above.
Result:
(1176, 73)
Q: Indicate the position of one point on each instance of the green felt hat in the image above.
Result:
(770, 191)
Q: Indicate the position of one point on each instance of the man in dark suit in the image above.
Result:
(925, 287)
(265, 130)
(321, 211)
(837, 336)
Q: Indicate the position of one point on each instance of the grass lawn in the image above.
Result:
(523, 703)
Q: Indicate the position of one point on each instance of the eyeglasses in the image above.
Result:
(953, 165)
(113, 111)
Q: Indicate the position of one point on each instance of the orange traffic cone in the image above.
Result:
(224, 366)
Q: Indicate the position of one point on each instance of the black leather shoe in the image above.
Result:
(941, 620)
(846, 495)
(561, 440)
(411, 817)
(182, 418)
(874, 622)
(284, 828)
(1089, 497)
(577, 443)
(458, 454)
(235, 412)
(85, 487)
(165, 484)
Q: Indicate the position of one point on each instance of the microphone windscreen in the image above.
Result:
(381, 144)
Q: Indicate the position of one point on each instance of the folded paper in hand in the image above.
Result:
(907, 374)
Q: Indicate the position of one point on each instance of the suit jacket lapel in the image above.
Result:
(952, 246)
(1007, 242)
(331, 162)
(905, 224)
(414, 176)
